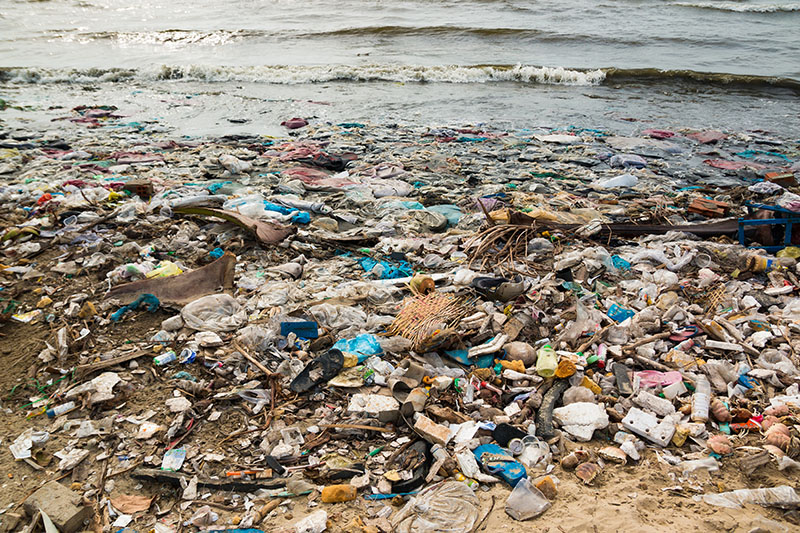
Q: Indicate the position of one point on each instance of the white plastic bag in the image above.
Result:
(623, 180)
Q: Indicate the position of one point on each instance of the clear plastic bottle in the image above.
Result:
(166, 358)
(701, 400)
(546, 361)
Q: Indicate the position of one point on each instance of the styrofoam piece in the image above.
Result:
(653, 403)
(648, 427)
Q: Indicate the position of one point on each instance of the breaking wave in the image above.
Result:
(285, 74)
(168, 38)
(295, 74)
(742, 8)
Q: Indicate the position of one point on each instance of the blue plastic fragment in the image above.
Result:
(303, 329)
(746, 381)
(297, 216)
(147, 299)
(214, 187)
(301, 217)
(450, 211)
(388, 496)
(461, 356)
(282, 209)
(388, 270)
(216, 253)
(620, 264)
(619, 314)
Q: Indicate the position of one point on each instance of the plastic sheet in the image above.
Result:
(216, 312)
(783, 496)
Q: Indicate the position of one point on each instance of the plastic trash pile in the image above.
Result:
(369, 328)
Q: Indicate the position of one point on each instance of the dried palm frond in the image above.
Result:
(501, 244)
(423, 317)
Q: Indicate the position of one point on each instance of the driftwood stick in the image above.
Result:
(647, 340)
(238, 485)
(357, 426)
(90, 368)
(597, 337)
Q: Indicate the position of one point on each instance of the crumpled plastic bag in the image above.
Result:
(255, 337)
(338, 317)
(215, 312)
(363, 346)
(204, 516)
(658, 257)
(790, 201)
(765, 187)
(774, 360)
(450, 506)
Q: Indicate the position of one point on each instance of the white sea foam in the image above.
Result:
(290, 74)
(166, 38)
(741, 7)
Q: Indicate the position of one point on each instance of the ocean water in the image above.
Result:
(201, 67)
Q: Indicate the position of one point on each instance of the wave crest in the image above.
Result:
(285, 74)
(297, 75)
(742, 8)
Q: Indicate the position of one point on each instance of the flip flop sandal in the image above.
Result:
(623, 381)
(417, 459)
(500, 463)
(687, 333)
(501, 289)
(321, 369)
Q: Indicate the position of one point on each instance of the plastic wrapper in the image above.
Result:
(254, 337)
(204, 516)
(774, 360)
(708, 464)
